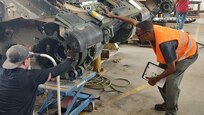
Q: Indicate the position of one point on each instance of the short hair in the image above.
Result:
(146, 25)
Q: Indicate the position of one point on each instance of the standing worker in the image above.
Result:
(18, 84)
(175, 51)
(181, 13)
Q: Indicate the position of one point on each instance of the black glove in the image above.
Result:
(70, 54)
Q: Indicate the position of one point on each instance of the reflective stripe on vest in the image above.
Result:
(182, 43)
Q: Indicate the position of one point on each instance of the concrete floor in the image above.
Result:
(140, 98)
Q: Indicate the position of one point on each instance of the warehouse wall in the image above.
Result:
(201, 6)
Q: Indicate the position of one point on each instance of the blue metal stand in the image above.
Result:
(80, 101)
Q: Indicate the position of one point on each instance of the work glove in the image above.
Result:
(70, 54)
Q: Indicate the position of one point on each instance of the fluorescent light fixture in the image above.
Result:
(135, 4)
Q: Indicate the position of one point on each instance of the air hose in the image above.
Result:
(101, 83)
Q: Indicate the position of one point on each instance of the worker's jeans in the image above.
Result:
(180, 20)
(170, 91)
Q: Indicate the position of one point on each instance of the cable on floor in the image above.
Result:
(101, 83)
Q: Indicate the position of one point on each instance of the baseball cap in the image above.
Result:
(16, 54)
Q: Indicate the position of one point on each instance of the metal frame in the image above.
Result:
(80, 101)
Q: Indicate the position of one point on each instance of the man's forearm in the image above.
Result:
(126, 19)
(57, 70)
(164, 74)
(170, 69)
(122, 18)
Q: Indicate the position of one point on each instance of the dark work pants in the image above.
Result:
(170, 91)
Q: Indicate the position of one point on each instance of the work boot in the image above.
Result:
(160, 107)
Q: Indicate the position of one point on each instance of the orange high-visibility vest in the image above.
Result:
(186, 46)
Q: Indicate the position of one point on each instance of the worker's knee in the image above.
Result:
(172, 83)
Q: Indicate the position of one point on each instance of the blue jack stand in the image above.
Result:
(80, 100)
